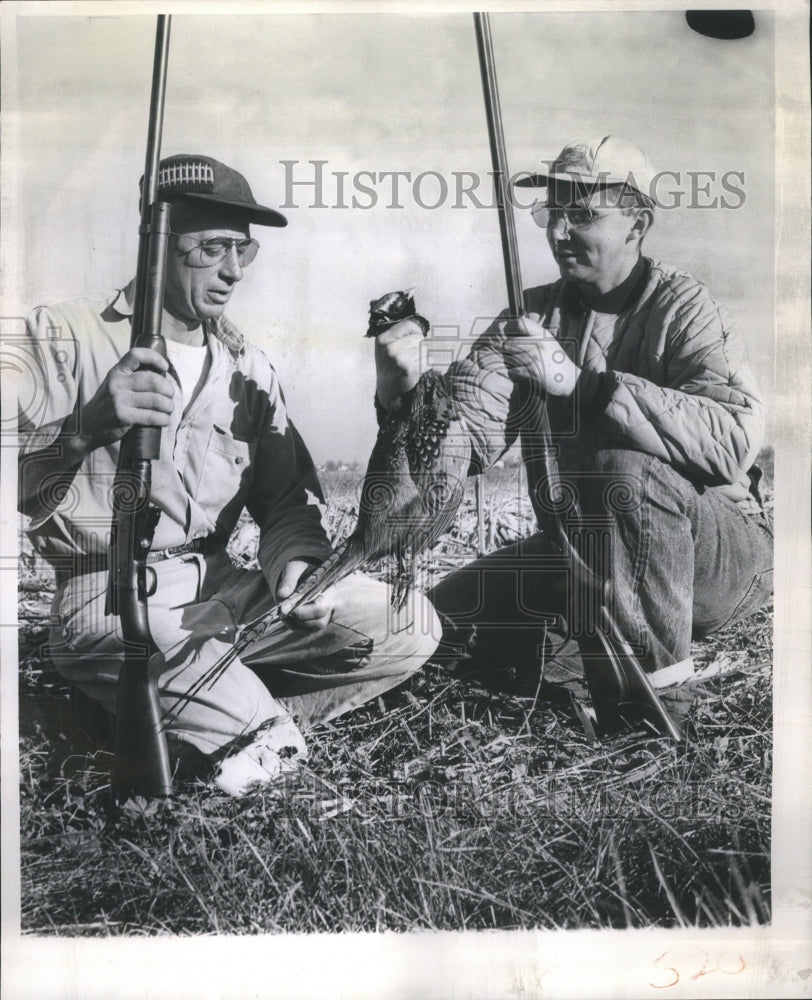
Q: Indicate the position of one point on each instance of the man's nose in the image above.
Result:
(557, 233)
(230, 265)
(559, 227)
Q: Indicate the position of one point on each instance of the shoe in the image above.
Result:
(673, 687)
(276, 749)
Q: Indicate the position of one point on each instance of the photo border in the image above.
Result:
(496, 963)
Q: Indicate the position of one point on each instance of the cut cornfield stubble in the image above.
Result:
(443, 805)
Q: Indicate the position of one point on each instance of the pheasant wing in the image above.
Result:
(438, 454)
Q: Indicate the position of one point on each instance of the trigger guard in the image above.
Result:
(149, 583)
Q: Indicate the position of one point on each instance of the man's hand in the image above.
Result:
(315, 614)
(125, 397)
(531, 352)
(397, 360)
(128, 397)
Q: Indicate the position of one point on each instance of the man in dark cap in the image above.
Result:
(656, 419)
(227, 444)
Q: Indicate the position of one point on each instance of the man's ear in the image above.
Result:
(641, 225)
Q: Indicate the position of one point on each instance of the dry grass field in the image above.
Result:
(444, 805)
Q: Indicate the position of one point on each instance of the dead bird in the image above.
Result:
(392, 308)
(414, 483)
(415, 477)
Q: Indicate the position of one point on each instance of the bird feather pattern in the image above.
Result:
(414, 483)
(416, 475)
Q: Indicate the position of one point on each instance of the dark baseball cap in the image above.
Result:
(202, 178)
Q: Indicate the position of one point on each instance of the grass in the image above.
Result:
(445, 805)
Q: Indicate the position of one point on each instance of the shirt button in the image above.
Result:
(238, 460)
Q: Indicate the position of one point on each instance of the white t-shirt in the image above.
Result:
(189, 361)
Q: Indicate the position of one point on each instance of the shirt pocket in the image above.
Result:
(226, 473)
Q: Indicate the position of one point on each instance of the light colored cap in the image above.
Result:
(598, 162)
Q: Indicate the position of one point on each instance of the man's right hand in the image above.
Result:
(130, 395)
(398, 360)
(125, 398)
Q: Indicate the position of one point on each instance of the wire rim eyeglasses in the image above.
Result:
(575, 216)
(206, 253)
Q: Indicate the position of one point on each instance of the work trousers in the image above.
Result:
(199, 601)
(680, 561)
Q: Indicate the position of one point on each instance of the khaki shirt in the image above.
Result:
(233, 448)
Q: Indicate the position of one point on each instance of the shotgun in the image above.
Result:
(141, 765)
(619, 688)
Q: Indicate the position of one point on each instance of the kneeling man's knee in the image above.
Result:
(403, 639)
(621, 460)
(413, 633)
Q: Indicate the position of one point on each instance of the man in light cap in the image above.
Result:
(227, 444)
(656, 420)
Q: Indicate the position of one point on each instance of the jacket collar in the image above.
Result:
(634, 294)
(221, 328)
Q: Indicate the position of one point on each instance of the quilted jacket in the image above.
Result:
(665, 376)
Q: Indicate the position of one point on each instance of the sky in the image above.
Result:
(377, 93)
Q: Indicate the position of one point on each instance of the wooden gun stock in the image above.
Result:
(141, 764)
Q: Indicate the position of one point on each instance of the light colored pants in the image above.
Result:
(198, 602)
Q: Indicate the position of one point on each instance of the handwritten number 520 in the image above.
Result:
(727, 962)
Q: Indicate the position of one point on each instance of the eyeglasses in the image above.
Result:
(212, 251)
(575, 216)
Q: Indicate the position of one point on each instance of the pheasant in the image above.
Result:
(415, 477)
(413, 486)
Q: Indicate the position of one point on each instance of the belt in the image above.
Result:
(97, 562)
(196, 545)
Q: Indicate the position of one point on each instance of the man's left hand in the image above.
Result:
(532, 352)
(315, 614)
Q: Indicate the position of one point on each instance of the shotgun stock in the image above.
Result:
(141, 764)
